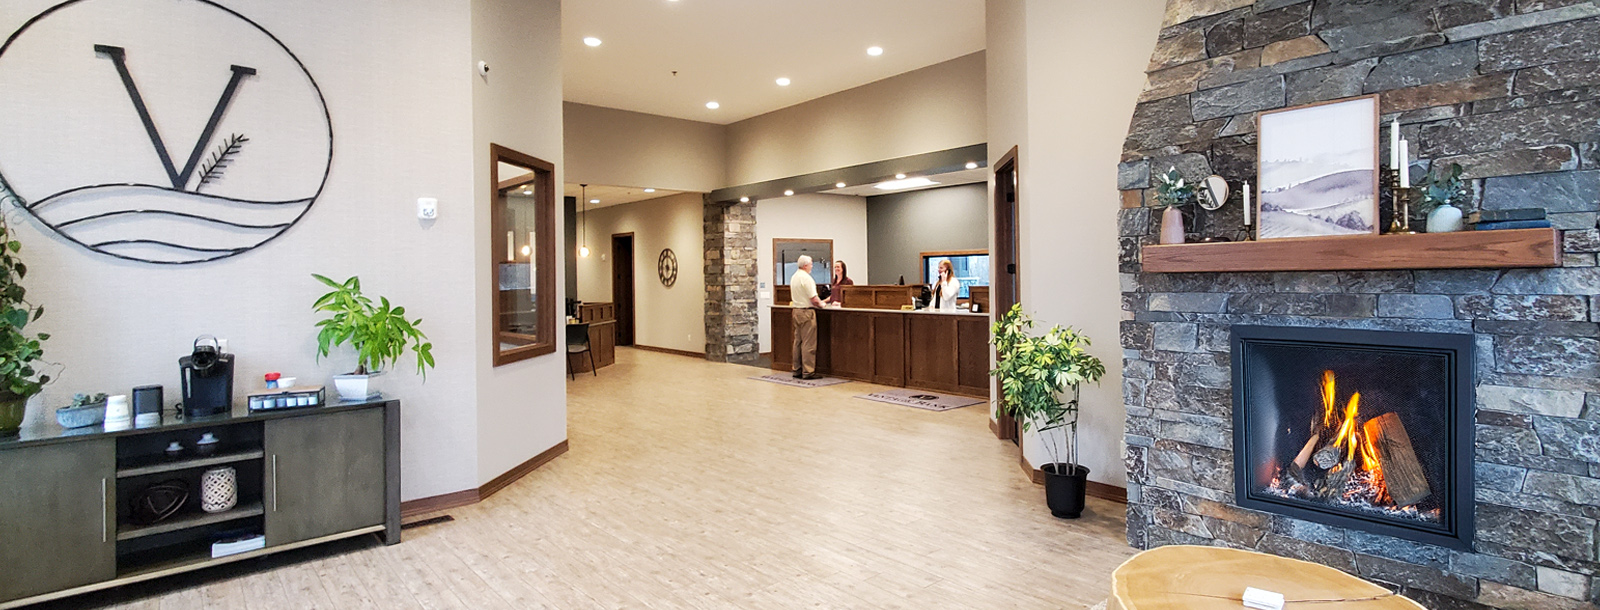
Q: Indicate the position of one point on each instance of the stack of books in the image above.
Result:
(1523, 218)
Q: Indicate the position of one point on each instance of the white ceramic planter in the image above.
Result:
(353, 387)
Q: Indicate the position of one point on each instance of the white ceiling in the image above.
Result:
(614, 195)
(732, 51)
(965, 176)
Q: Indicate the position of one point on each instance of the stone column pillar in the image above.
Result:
(731, 318)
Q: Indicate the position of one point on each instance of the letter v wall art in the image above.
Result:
(159, 131)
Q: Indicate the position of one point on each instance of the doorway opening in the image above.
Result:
(1005, 289)
(622, 285)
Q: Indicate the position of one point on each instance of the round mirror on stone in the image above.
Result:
(1213, 192)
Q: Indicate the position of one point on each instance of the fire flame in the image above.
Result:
(1349, 438)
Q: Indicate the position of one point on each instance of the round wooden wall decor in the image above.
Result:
(667, 267)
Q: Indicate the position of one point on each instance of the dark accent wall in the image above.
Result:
(902, 226)
(1510, 90)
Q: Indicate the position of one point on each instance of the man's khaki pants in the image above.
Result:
(805, 340)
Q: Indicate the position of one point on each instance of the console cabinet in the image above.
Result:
(304, 476)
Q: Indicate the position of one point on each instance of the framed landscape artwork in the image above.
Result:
(1318, 169)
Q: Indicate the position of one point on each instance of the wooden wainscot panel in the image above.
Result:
(931, 352)
(889, 349)
(850, 342)
(780, 295)
(980, 295)
(893, 297)
(972, 366)
(782, 339)
(603, 340)
(1462, 250)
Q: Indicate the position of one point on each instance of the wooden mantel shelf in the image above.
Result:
(1464, 250)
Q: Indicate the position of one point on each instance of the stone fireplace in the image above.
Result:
(1360, 429)
(1510, 89)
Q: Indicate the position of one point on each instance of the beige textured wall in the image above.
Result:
(621, 148)
(934, 108)
(670, 317)
(837, 217)
(400, 97)
(522, 407)
(1076, 118)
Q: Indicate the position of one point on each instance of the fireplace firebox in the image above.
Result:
(1368, 430)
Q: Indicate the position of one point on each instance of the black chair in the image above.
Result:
(578, 343)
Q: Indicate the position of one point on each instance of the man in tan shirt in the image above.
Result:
(803, 298)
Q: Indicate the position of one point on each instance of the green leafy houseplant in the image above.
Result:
(20, 351)
(1172, 190)
(379, 332)
(1037, 372)
(1444, 186)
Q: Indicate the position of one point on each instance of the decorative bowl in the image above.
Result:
(81, 417)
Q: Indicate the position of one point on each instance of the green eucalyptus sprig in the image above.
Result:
(1172, 189)
(1444, 186)
(1037, 372)
(20, 351)
(380, 333)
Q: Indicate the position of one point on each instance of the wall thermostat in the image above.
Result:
(427, 208)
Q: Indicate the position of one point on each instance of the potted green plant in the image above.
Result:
(379, 332)
(20, 350)
(1040, 377)
(84, 411)
(1173, 191)
(1443, 192)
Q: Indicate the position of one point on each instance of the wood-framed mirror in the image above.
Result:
(522, 218)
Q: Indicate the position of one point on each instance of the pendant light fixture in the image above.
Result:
(583, 250)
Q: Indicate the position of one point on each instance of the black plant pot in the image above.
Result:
(1063, 492)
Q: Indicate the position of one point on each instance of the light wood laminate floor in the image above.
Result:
(690, 486)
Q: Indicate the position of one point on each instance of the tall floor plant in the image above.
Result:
(1040, 378)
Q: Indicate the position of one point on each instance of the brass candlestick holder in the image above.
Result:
(1400, 224)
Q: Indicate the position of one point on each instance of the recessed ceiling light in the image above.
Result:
(594, 201)
(653, 190)
(527, 192)
(899, 176)
(895, 185)
(783, 81)
(713, 105)
(788, 193)
(591, 41)
(744, 200)
(972, 165)
(874, 51)
(838, 185)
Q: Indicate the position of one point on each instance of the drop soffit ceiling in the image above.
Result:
(732, 51)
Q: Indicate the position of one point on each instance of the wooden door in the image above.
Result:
(622, 285)
(58, 525)
(325, 474)
(1005, 284)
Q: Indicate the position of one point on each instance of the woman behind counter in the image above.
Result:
(840, 278)
(947, 288)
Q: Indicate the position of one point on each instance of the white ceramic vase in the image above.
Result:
(219, 489)
(1445, 219)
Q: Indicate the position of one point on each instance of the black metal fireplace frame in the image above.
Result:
(1457, 531)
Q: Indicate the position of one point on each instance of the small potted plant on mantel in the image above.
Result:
(1040, 377)
(379, 332)
(20, 351)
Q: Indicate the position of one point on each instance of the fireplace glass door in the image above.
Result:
(1362, 429)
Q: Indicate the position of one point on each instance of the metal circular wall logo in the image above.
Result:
(162, 131)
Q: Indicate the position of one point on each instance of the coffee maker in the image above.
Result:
(207, 376)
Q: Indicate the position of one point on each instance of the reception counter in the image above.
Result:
(937, 351)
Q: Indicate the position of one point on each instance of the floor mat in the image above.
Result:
(790, 380)
(922, 399)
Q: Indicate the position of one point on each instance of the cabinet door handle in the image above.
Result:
(105, 519)
(274, 482)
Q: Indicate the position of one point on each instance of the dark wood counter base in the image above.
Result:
(941, 352)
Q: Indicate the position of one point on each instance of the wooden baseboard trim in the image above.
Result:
(994, 427)
(1092, 489)
(521, 470)
(678, 352)
(432, 504)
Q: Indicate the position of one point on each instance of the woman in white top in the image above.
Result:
(946, 289)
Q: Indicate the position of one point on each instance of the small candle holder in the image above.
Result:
(1400, 224)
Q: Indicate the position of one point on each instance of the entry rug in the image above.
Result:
(922, 399)
(789, 379)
